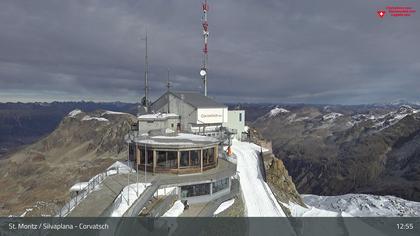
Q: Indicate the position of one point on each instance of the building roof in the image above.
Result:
(197, 100)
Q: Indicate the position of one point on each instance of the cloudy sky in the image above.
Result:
(259, 51)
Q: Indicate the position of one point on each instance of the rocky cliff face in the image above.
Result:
(281, 183)
(40, 175)
(332, 152)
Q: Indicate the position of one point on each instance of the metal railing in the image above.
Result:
(166, 204)
(82, 194)
(138, 204)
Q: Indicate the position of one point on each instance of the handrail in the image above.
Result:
(82, 194)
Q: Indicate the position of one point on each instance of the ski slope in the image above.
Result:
(258, 198)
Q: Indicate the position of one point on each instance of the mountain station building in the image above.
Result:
(184, 134)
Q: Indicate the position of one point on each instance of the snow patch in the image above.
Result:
(176, 210)
(224, 206)
(275, 111)
(364, 205)
(26, 211)
(87, 118)
(119, 168)
(300, 211)
(331, 116)
(74, 113)
(77, 187)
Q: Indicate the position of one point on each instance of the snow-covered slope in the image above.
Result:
(176, 210)
(74, 113)
(310, 211)
(259, 200)
(86, 118)
(362, 205)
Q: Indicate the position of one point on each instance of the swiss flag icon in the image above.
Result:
(381, 13)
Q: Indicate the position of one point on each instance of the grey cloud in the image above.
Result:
(260, 51)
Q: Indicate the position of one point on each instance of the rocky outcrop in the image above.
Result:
(281, 183)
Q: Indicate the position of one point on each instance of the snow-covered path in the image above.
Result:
(259, 200)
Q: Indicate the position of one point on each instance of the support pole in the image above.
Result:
(145, 163)
(137, 175)
(201, 154)
(128, 181)
(205, 49)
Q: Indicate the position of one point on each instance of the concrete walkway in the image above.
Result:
(98, 202)
(140, 202)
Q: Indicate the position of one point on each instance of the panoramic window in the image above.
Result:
(195, 190)
(167, 159)
(195, 158)
(220, 185)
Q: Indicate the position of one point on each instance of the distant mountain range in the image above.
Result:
(333, 150)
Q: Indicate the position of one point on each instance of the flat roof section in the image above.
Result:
(180, 140)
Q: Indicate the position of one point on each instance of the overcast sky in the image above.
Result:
(335, 51)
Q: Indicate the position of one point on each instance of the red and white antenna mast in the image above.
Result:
(205, 24)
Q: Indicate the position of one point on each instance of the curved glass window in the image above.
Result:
(167, 159)
(148, 158)
(184, 159)
(208, 156)
(190, 158)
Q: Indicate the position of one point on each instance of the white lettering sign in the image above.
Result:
(211, 115)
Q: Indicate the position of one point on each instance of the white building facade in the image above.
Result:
(236, 123)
